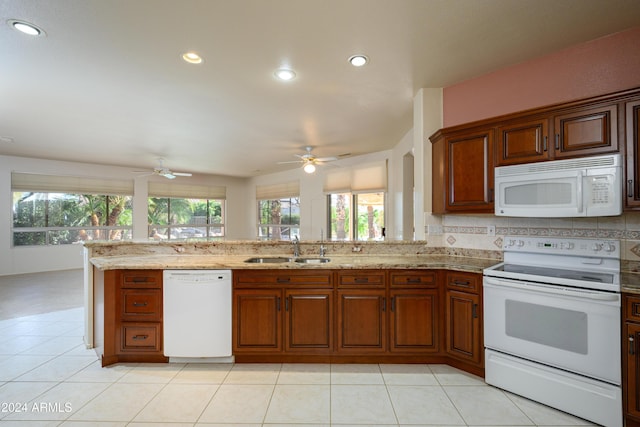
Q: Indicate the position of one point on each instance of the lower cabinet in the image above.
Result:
(282, 311)
(463, 306)
(128, 316)
(362, 326)
(631, 358)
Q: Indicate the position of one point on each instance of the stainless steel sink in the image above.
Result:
(267, 260)
(312, 260)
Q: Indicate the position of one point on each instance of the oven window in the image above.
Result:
(551, 326)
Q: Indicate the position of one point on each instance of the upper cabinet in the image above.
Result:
(464, 156)
(463, 169)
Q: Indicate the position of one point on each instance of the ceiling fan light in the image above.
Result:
(309, 168)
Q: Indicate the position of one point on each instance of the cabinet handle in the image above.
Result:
(384, 304)
(139, 279)
(283, 279)
(413, 280)
(632, 349)
(278, 303)
(140, 337)
(491, 195)
(361, 280)
(544, 144)
(463, 283)
(139, 304)
(474, 311)
(630, 188)
(393, 304)
(557, 141)
(286, 304)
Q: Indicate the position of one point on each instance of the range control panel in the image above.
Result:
(606, 248)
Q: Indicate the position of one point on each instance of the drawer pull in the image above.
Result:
(139, 304)
(464, 283)
(413, 280)
(140, 337)
(140, 279)
(361, 280)
(283, 279)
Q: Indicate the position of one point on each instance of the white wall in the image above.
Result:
(36, 259)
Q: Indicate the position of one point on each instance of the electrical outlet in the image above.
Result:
(491, 230)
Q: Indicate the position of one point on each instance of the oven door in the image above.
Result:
(571, 329)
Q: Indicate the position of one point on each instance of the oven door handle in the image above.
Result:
(553, 290)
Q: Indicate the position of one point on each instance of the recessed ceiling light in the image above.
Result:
(285, 74)
(26, 27)
(358, 60)
(192, 58)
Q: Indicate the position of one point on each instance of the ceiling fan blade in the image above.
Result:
(325, 159)
(293, 161)
(182, 173)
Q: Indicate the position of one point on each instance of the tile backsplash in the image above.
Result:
(486, 232)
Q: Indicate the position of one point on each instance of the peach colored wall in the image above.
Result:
(601, 66)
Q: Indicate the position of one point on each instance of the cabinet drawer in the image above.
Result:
(632, 308)
(141, 304)
(361, 278)
(136, 338)
(412, 278)
(283, 277)
(465, 282)
(141, 279)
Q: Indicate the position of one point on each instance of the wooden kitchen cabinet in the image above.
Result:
(463, 317)
(361, 312)
(587, 131)
(631, 358)
(522, 141)
(281, 310)
(632, 132)
(129, 315)
(414, 312)
(463, 171)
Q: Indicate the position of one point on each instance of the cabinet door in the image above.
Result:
(633, 154)
(523, 142)
(631, 349)
(257, 320)
(362, 321)
(463, 326)
(470, 172)
(586, 132)
(414, 320)
(308, 320)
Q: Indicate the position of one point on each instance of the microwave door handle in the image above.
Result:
(579, 190)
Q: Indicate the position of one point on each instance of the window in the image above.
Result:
(279, 219)
(278, 210)
(181, 218)
(65, 218)
(356, 216)
(59, 210)
(183, 211)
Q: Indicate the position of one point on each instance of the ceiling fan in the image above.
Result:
(309, 161)
(161, 170)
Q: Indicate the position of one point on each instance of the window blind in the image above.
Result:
(278, 191)
(361, 178)
(186, 191)
(69, 184)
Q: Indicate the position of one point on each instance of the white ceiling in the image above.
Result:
(107, 84)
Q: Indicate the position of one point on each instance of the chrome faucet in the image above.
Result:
(296, 246)
(322, 248)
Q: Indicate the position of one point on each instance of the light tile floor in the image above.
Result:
(48, 378)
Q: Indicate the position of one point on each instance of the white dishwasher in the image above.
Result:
(197, 313)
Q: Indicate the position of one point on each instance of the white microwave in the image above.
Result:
(589, 186)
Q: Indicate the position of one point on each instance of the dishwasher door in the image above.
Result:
(197, 313)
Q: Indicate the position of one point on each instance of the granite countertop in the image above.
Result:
(213, 262)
